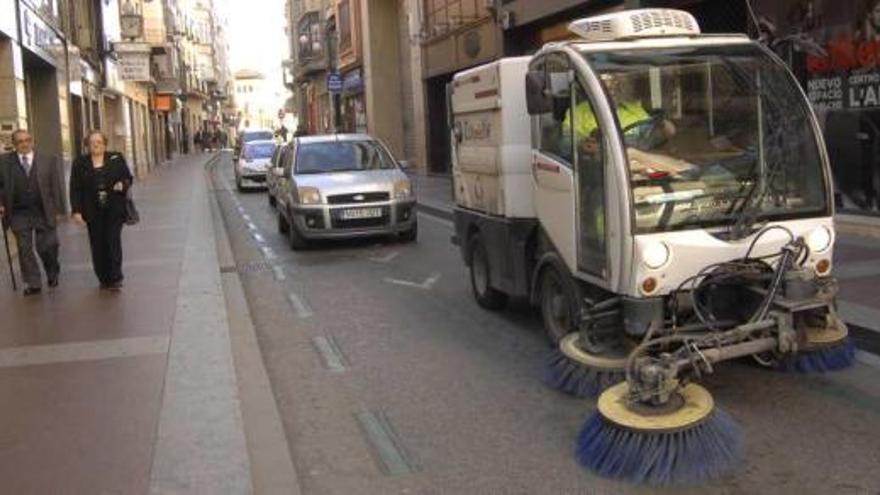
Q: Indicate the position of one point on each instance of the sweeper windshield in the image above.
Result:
(714, 135)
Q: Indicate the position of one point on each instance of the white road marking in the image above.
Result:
(246, 217)
(385, 259)
(252, 225)
(428, 284)
(302, 309)
(268, 253)
(329, 350)
(279, 273)
(257, 237)
(441, 221)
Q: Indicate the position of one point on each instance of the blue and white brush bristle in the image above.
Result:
(567, 375)
(707, 450)
(832, 358)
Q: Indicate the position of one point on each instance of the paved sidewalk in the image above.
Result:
(129, 392)
(856, 259)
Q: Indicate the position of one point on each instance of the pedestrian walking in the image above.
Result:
(31, 200)
(99, 182)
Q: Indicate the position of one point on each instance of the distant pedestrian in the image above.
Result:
(31, 200)
(282, 133)
(99, 182)
(198, 140)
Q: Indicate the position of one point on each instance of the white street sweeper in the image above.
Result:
(664, 197)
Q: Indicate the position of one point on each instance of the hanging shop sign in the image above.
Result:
(353, 82)
(334, 82)
(162, 103)
(38, 36)
(134, 61)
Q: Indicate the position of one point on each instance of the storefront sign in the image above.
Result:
(162, 103)
(38, 37)
(334, 82)
(134, 61)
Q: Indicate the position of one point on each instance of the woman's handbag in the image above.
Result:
(132, 217)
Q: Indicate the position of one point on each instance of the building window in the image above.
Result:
(310, 45)
(344, 20)
(443, 16)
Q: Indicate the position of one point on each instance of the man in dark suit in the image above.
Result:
(31, 200)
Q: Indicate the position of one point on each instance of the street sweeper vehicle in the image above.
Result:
(664, 197)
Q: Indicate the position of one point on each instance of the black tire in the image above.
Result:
(486, 296)
(411, 234)
(271, 199)
(283, 226)
(558, 301)
(295, 239)
(238, 185)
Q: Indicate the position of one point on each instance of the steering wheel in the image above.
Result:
(645, 134)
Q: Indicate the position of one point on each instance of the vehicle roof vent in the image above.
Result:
(640, 23)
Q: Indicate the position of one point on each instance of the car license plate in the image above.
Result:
(360, 213)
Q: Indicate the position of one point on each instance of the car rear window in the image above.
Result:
(259, 150)
(342, 156)
(256, 136)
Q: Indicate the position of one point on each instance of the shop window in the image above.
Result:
(344, 20)
(443, 16)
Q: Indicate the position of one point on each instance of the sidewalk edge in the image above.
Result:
(272, 468)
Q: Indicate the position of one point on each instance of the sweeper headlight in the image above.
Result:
(655, 255)
(819, 239)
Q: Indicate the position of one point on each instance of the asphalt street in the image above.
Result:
(390, 379)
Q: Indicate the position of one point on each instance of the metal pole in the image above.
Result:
(8, 254)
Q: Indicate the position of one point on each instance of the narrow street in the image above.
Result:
(390, 379)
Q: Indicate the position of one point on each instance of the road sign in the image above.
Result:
(334, 82)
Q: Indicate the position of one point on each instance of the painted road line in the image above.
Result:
(384, 442)
(279, 273)
(436, 219)
(868, 358)
(257, 237)
(385, 259)
(330, 353)
(299, 305)
(252, 226)
(428, 284)
(246, 217)
(82, 351)
(860, 315)
(268, 253)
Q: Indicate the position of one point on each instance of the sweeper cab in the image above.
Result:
(664, 197)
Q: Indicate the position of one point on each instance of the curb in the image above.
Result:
(435, 210)
(272, 468)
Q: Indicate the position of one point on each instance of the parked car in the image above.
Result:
(249, 135)
(343, 186)
(250, 168)
(272, 178)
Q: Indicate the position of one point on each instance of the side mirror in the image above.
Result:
(537, 99)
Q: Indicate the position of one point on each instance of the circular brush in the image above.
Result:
(689, 442)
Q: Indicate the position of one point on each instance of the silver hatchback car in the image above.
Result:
(342, 186)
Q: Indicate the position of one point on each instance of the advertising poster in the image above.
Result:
(833, 47)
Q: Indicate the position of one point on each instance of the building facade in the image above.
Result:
(69, 66)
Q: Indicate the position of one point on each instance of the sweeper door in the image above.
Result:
(568, 164)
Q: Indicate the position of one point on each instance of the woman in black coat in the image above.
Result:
(99, 182)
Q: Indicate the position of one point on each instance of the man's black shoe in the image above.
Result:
(53, 281)
(32, 291)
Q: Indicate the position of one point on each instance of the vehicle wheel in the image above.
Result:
(283, 226)
(484, 293)
(238, 185)
(411, 234)
(271, 200)
(558, 305)
(296, 240)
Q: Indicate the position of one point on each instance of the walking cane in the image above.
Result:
(8, 253)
